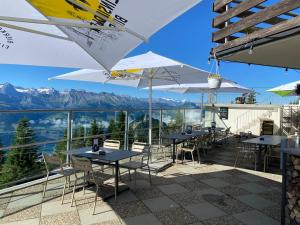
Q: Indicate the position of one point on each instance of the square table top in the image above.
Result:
(110, 156)
(180, 136)
(272, 140)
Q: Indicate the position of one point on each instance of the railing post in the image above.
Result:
(126, 131)
(160, 126)
(183, 121)
(69, 133)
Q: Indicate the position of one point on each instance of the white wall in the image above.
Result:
(244, 118)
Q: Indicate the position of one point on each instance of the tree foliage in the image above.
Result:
(21, 161)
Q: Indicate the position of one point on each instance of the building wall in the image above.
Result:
(244, 118)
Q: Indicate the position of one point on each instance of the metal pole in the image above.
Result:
(201, 111)
(183, 121)
(126, 131)
(150, 106)
(160, 126)
(69, 133)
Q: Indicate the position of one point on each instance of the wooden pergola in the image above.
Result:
(257, 32)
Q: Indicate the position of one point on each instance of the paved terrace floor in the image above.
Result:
(206, 194)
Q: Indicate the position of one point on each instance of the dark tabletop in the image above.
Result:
(268, 140)
(110, 156)
(180, 136)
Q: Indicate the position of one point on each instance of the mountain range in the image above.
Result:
(16, 98)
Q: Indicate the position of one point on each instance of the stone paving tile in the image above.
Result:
(255, 201)
(4, 200)
(19, 214)
(30, 190)
(161, 203)
(251, 177)
(223, 220)
(176, 216)
(231, 206)
(129, 209)
(68, 218)
(235, 172)
(220, 174)
(25, 200)
(273, 212)
(202, 176)
(103, 213)
(51, 208)
(253, 187)
(233, 190)
(255, 218)
(195, 186)
(272, 196)
(110, 222)
(186, 198)
(215, 182)
(161, 181)
(204, 211)
(183, 178)
(25, 222)
(147, 219)
(147, 193)
(171, 188)
(235, 180)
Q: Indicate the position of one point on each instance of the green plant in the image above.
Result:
(214, 76)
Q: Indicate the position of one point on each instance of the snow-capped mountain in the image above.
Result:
(12, 97)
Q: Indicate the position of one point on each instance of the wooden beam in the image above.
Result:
(259, 17)
(264, 33)
(263, 7)
(219, 4)
(233, 12)
(272, 21)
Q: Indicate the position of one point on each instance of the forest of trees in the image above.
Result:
(23, 162)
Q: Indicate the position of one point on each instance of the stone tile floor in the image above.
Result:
(206, 194)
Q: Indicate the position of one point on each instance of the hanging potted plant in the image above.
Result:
(214, 81)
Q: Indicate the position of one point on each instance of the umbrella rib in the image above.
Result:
(57, 23)
(112, 22)
(33, 31)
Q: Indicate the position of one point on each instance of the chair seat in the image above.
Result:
(187, 149)
(67, 171)
(133, 165)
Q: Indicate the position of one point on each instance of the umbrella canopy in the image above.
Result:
(286, 89)
(80, 33)
(226, 87)
(146, 70)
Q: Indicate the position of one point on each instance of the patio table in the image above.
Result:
(180, 137)
(264, 141)
(111, 157)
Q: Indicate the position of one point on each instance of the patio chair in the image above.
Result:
(112, 144)
(84, 165)
(246, 151)
(205, 143)
(191, 147)
(138, 162)
(272, 153)
(61, 169)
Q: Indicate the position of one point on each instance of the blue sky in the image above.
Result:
(187, 39)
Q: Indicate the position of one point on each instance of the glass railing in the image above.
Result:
(26, 134)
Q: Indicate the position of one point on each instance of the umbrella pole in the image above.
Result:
(201, 112)
(150, 107)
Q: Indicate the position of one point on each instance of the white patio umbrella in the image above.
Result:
(92, 34)
(286, 89)
(146, 70)
(226, 87)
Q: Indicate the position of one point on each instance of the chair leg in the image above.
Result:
(73, 194)
(265, 163)
(135, 180)
(236, 158)
(198, 154)
(45, 185)
(255, 161)
(129, 175)
(149, 175)
(84, 180)
(193, 158)
(63, 194)
(96, 195)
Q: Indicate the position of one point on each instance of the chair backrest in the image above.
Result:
(140, 147)
(81, 164)
(112, 144)
(51, 160)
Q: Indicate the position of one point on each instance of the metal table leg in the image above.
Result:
(174, 155)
